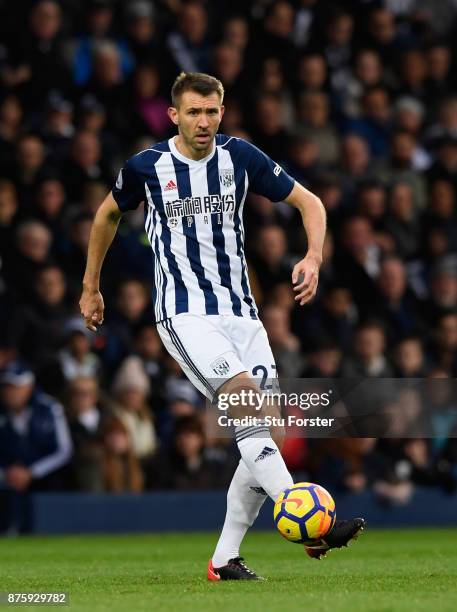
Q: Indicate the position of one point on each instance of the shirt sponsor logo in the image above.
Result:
(200, 206)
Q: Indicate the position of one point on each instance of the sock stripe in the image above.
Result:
(254, 434)
(242, 430)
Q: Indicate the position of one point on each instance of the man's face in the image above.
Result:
(15, 397)
(198, 118)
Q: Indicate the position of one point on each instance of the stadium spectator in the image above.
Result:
(11, 126)
(398, 309)
(86, 418)
(31, 253)
(98, 27)
(408, 358)
(335, 317)
(356, 101)
(83, 164)
(36, 64)
(402, 221)
(284, 344)
(131, 390)
(142, 32)
(269, 262)
(323, 359)
(311, 73)
(314, 123)
(185, 465)
(120, 467)
(74, 360)
(149, 104)
(35, 443)
(269, 129)
(358, 265)
(369, 359)
(37, 327)
(188, 44)
(8, 214)
(58, 129)
(27, 167)
(149, 349)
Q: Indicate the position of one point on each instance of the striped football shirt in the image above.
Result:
(194, 221)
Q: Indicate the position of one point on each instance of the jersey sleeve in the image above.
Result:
(129, 188)
(266, 177)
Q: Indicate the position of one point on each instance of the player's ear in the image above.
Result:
(173, 114)
(222, 111)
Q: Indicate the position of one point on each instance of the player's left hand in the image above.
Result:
(309, 268)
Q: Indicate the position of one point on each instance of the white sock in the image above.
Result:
(263, 459)
(245, 497)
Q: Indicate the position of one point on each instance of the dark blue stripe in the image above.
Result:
(239, 182)
(223, 260)
(192, 246)
(185, 355)
(181, 295)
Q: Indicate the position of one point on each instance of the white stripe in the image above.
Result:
(150, 231)
(156, 227)
(161, 264)
(59, 458)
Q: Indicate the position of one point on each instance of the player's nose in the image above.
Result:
(203, 122)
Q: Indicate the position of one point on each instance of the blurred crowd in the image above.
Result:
(356, 99)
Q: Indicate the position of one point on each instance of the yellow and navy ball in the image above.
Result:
(304, 512)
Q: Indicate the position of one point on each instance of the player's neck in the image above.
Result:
(189, 152)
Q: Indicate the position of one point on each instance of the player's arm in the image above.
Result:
(102, 234)
(314, 222)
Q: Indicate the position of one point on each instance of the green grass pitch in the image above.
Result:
(385, 571)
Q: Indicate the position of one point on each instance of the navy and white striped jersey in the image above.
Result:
(193, 218)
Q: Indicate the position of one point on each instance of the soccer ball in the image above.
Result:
(304, 513)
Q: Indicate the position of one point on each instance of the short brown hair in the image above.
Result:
(199, 82)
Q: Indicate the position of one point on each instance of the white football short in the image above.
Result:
(211, 349)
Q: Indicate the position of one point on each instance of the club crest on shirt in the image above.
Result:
(226, 177)
(220, 366)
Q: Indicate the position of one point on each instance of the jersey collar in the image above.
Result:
(187, 160)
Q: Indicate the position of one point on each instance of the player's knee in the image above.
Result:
(243, 397)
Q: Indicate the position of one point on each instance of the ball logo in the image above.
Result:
(293, 500)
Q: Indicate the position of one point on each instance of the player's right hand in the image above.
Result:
(92, 308)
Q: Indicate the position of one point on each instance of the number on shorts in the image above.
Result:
(264, 373)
